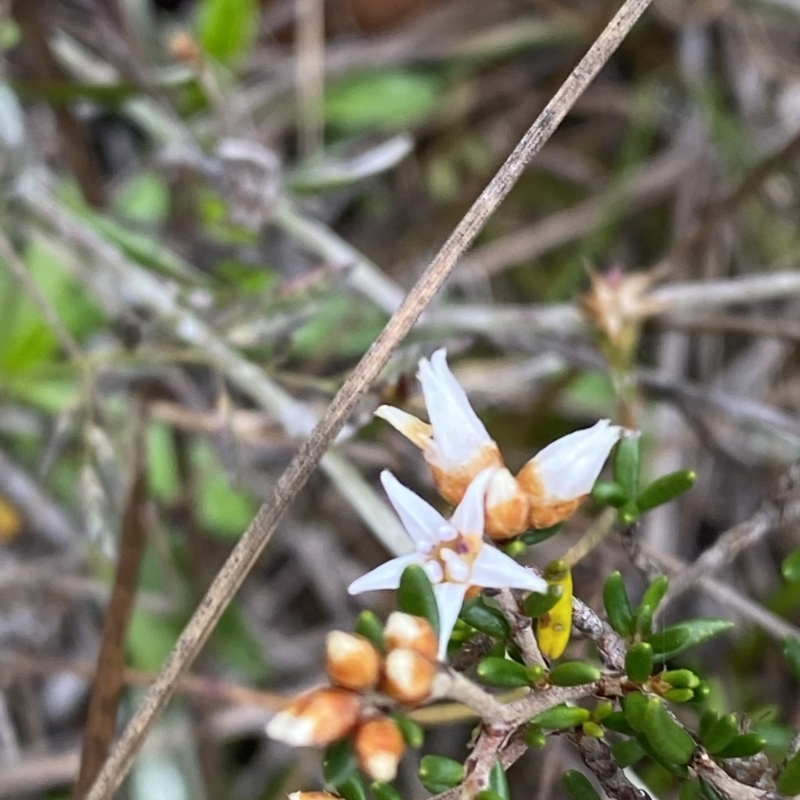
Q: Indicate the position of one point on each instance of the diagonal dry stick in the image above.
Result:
(257, 535)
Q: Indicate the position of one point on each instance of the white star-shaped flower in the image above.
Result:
(452, 553)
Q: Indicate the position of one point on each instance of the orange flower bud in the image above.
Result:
(183, 47)
(313, 796)
(407, 676)
(378, 745)
(408, 632)
(351, 661)
(544, 512)
(452, 481)
(316, 718)
(507, 507)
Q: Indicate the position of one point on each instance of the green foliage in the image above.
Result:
(384, 791)
(561, 716)
(235, 644)
(535, 604)
(370, 627)
(498, 782)
(627, 752)
(789, 778)
(574, 673)
(653, 595)
(437, 773)
(609, 493)
(665, 735)
(626, 464)
(412, 732)
(666, 488)
(678, 638)
(484, 618)
(790, 567)
(150, 638)
(226, 29)
(540, 535)
(339, 764)
(743, 746)
(502, 672)
(383, 100)
(578, 786)
(415, 595)
(617, 605)
(639, 662)
(144, 197)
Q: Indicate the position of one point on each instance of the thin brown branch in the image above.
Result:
(258, 534)
(597, 756)
(101, 717)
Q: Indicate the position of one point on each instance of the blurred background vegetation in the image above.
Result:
(211, 207)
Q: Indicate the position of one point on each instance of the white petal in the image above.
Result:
(449, 599)
(433, 569)
(468, 517)
(416, 430)
(420, 519)
(569, 466)
(495, 570)
(456, 391)
(457, 433)
(457, 568)
(386, 576)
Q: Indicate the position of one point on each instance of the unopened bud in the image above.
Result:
(407, 632)
(316, 718)
(183, 47)
(378, 745)
(507, 507)
(407, 676)
(312, 796)
(351, 661)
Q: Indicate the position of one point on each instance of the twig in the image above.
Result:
(309, 72)
(101, 716)
(521, 629)
(297, 473)
(597, 756)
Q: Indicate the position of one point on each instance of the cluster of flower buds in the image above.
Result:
(363, 682)
(457, 448)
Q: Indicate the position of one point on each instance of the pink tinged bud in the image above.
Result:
(507, 507)
(316, 718)
(378, 746)
(407, 677)
(407, 632)
(312, 796)
(351, 661)
(560, 476)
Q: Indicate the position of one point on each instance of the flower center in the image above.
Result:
(452, 560)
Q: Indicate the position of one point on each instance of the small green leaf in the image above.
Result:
(574, 673)
(437, 773)
(384, 791)
(535, 604)
(603, 709)
(707, 791)
(415, 595)
(789, 779)
(626, 464)
(339, 764)
(353, 789)
(535, 737)
(498, 782)
(561, 716)
(790, 567)
(618, 722)
(717, 734)
(680, 678)
(502, 672)
(538, 536)
(666, 488)
(487, 794)
(743, 746)
(412, 732)
(653, 595)
(679, 638)
(609, 493)
(370, 627)
(627, 752)
(227, 28)
(634, 705)
(578, 786)
(670, 766)
(484, 618)
(617, 605)
(639, 662)
(593, 729)
(679, 695)
(666, 736)
(690, 790)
